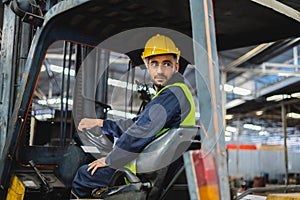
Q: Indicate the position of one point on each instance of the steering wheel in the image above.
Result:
(95, 137)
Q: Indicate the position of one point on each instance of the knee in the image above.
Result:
(82, 169)
(80, 174)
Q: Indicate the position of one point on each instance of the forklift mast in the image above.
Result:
(31, 27)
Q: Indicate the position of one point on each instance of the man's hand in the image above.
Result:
(93, 166)
(89, 123)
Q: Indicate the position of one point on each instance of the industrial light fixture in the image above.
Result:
(296, 95)
(228, 88)
(121, 84)
(260, 112)
(241, 91)
(234, 103)
(231, 129)
(43, 114)
(252, 127)
(278, 97)
(228, 117)
(54, 101)
(293, 115)
(236, 90)
(58, 69)
(43, 117)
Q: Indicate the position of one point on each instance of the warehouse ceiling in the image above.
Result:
(250, 34)
(266, 69)
(257, 42)
(265, 76)
(245, 23)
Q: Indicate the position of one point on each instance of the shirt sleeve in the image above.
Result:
(116, 128)
(161, 112)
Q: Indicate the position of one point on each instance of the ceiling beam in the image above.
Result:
(264, 71)
(281, 8)
(247, 56)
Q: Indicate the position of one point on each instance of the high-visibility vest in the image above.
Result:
(190, 118)
(188, 121)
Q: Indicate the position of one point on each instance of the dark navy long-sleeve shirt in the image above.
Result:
(167, 110)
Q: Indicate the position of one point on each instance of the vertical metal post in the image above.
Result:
(62, 106)
(238, 135)
(224, 101)
(286, 160)
(22, 53)
(6, 66)
(207, 73)
(91, 78)
(101, 92)
(295, 55)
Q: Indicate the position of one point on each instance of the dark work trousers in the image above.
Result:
(84, 182)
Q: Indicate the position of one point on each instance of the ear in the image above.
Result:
(146, 63)
(176, 66)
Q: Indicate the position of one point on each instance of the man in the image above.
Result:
(172, 106)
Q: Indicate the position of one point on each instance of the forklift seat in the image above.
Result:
(153, 165)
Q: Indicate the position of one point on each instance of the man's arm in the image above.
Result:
(161, 112)
(109, 127)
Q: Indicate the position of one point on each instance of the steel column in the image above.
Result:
(286, 160)
(207, 75)
(6, 70)
(101, 92)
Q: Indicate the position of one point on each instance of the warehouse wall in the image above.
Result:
(251, 163)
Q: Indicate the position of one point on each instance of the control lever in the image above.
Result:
(45, 184)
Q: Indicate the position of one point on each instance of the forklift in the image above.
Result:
(94, 49)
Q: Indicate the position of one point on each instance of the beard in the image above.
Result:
(159, 85)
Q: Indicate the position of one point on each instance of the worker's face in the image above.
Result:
(161, 68)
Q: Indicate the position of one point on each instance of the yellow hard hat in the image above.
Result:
(158, 45)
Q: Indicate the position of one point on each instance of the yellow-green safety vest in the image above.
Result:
(188, 121)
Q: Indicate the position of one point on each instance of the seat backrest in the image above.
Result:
(154, 161)
(165, 149)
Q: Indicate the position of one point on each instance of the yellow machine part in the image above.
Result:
(291, 196)
(209, 192)
(16, 190)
